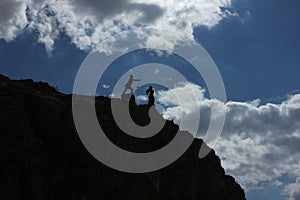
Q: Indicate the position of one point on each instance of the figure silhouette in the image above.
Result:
(129, 83)
(150, 93)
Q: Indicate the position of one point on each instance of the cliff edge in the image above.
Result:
(42, 157)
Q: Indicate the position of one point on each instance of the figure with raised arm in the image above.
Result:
(128, 85)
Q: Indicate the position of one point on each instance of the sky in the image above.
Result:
(255, 45)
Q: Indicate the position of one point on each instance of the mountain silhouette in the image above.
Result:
(43, 158)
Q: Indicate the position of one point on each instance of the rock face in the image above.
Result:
(42, 157)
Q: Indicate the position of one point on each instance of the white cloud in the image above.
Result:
(88, 22)
(259, 143)
(277, 183)
(142, 98)
(105, 86)
(185, 92)
(293, 190)
(12, 18)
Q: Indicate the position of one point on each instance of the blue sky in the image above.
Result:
(257, 53)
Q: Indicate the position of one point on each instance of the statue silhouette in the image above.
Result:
(150, 93)
(129, 83)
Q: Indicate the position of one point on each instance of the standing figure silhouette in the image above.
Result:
(128, 85)
(150, 93)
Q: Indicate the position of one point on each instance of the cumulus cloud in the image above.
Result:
(174, 109)
(141, 98)
(293, 190)
(88, 22)
(105, 86)
(12, 19)
(259, 143)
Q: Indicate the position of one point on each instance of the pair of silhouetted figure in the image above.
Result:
(149, 91)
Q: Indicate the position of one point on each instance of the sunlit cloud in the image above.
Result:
(259, 143)
(88, 22)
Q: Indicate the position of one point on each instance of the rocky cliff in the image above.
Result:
(42, 157)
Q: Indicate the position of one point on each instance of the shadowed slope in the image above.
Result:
(42, 157)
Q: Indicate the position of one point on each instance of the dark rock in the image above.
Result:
(42, 157)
